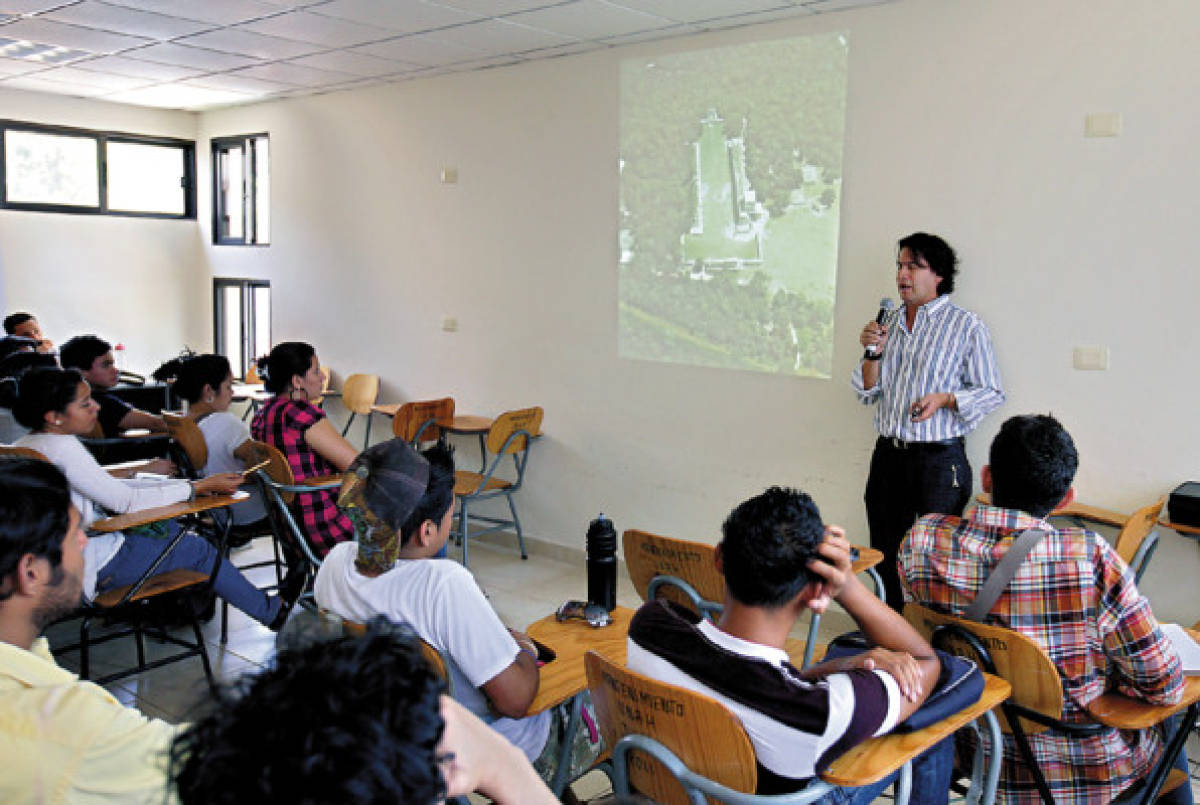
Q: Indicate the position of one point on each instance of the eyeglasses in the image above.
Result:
(595, 614)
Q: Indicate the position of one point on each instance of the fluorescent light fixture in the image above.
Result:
(37, 52)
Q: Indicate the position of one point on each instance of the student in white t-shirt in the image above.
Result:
(402, 505)
(206, 383)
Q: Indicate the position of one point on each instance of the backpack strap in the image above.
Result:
(1002, 574)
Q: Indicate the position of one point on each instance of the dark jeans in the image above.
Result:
(904, 484)
(931, 777)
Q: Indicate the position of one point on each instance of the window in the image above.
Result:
(241, 321)
(59, 169)
(241, 190)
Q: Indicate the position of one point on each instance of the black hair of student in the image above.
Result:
(81, 352)
(190, 373)
(286, 360)
(937, 253)
(14, 320)
(439, 491)
(15, 365)
(35, 505)
(353, 719)
(766, 544)
(42, 390)
(12, 344)
(1033, 462)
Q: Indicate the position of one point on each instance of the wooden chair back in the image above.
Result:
(648, 555)
(709, 739)
(188, 436)
(1137, 528)
(21, 452)
(432, 655)
(278, 470)
(359, 393)
(412, 415)
(1019, 661)
(526, 419)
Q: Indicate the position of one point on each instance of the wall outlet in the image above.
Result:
(450, 324)
(1102, 124)
(1094, 358)
(449, 175)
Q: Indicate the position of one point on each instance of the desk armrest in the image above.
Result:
(121, 522)
(1076, 509)
(1122, 712)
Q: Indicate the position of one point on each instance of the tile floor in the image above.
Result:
(521, 592)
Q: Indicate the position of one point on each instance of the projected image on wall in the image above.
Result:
(731, 174)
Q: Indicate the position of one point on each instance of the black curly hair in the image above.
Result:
(353, 719)
(766, 544)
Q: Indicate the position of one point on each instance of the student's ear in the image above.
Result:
(426, 533)
(815, 596)
(207, 392)
(28, 575)
(719, 559)
(985, 478)
(1067, 498)
(52, 418)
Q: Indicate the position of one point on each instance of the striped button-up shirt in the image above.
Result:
(1074, 597)
(948, 349)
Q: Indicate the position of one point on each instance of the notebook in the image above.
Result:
(1189, 650)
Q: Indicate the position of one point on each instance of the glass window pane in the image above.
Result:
(262, 320)
(231, 335)
(145, 178)
(231, 192)
(51, 169)
(262, 191)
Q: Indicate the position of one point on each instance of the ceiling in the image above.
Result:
(197, 54)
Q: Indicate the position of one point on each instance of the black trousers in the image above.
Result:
(905, 483)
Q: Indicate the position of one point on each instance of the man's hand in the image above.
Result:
(901, 665)
(925, 407)
(833, 569)
(874, 334)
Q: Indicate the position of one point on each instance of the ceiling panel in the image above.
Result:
(91, 78)
(29, 6)
(237, 82)
(125, 20)
(494, 37)
(221, 12)
(591, 19)
(297, 75)
(401, 16)
(18, 66)
(200, 58)
(354, 63)
(423, 49)
(48, 32)
(694, 10)
(176, 96)
(138, 68)
(248, 43)
(496, 8)
(304, 26)
(35, 84)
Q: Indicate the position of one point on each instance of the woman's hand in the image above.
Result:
(223, 483)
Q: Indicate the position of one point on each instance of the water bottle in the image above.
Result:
(602, 563)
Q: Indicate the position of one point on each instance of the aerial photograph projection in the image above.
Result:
(731, 175)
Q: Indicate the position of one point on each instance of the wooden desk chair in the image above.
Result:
(189, 450)
(511, 434)
(676, 746)
(437, 660)
(1036, 704)
(252, 377)
(413, 421)
(279, 488)
(133, 603)
(359, 393)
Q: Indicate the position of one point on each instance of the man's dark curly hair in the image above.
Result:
(767, 542)
(353, 719)
(937, 253)
(35, 505)
(1033, 462)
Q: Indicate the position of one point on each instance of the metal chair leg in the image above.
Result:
(367, 438)
(462, 531)
(349, 422)
(517, 523)
(84, 663)
(208, 673)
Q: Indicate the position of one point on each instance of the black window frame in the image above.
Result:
(245, 316)
(102, 139)
(220, 145)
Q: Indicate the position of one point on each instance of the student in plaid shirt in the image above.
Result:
(1072, 595)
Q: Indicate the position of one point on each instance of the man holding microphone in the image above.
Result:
(930, 369)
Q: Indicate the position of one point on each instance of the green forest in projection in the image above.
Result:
(731, 174)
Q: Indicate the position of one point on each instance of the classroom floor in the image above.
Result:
(521, 592)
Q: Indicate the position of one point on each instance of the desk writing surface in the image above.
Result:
(145, 516)
(1127, 713)
(464, 423)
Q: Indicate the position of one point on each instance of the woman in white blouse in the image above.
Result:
(57, 406)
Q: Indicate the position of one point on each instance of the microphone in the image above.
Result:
(885, 307)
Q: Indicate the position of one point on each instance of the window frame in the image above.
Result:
(102, 139)
(246, 316)
(219, 146)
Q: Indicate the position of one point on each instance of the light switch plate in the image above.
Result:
(1102, 124)
(1090, 358)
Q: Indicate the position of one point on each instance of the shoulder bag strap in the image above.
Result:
(1005, 569)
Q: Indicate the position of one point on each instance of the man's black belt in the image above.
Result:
(899, 444)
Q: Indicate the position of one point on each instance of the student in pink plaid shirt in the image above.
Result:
(300, 430)
(1072, 595)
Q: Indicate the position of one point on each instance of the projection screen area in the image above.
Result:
(730, 192)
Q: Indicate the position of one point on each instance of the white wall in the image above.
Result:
(964, 118)
(137, 281)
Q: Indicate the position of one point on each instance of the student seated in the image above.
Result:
(354, 719)
(206, 383)
(402, 505)
(10, 344)
(299, 429)
(11, 369)
(1072, 595)
(64, 740)
(24, 324)
(93, 357)
(56, 405)
(779, 561)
